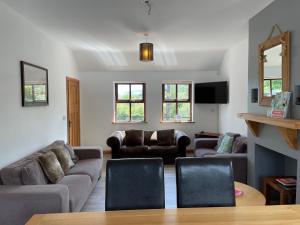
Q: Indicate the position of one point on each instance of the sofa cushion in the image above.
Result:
(226, 145)
(160, 150)
(141, 149)
(230, 134)
(64, 158)
(239, 145)
(51, 167)
(147, 138)
(12, 174)
(201, 152)
(134, 137)
(79, 189)
(166, 137)
(91, 167)
(32, 174)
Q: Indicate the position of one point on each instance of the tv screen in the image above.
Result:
(211, 93)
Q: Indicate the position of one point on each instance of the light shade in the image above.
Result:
(146, 52)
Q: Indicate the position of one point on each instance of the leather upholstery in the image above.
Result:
(134, 184)
(204, 182)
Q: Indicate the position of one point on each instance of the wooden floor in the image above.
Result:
(96, 201)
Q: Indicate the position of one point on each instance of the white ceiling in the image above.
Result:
(104, 34)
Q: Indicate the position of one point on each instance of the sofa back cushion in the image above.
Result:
(12, 174)
(134, 137)
(240, 145)
(150, 138)
(32, 174)
(166, 137)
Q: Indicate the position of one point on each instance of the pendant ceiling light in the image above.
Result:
(146, 48)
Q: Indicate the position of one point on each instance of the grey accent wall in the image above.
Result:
(286, 15)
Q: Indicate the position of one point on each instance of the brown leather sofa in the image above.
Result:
(207, 148)
(149, 148)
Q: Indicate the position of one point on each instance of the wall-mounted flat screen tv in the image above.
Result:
(211, 93)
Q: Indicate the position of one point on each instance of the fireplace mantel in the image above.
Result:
(287, 127)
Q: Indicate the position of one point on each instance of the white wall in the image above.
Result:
(235, 69)
(97, 103)
(24, 130)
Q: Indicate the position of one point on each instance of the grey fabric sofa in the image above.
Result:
(18, 202)
(207, 147)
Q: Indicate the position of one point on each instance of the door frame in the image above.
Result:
(68, 116)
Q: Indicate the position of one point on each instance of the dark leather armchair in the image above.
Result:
(134, 184)
(204, 182)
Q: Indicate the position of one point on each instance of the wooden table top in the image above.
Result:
(250, 196)
(250, 215)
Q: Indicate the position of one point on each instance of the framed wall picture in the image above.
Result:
(34, 85)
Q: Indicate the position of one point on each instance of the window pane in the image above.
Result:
(169, 111)
(28, 93)
(40, 92)
(183, 92)
(267, 88)
(184, 110)
(122, 114)
(170, 91)
(276, 86)
(136, 92)
(123, 91)
(137, 112)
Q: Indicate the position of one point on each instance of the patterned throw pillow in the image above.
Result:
(226, 145)
(64, 158)
(51, 167)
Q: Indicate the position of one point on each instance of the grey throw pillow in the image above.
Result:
(64, 158)
(32, 174)
(51, 167)
(71, 152)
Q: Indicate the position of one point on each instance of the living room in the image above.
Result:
(150, 93)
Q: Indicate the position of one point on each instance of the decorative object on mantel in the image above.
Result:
(274, 66)
(280, 105)
(287, 127)
(34, 85)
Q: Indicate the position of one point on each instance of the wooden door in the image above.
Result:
(73, 110)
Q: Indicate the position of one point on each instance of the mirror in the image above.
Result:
(274, 67)
(34, 81)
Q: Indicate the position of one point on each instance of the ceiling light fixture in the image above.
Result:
(146, 48)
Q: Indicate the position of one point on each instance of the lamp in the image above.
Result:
(146, 52)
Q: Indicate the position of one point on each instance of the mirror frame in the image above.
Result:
(24, 103)
(283, 39)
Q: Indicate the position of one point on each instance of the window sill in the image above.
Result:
(142, 122)
(179, 122)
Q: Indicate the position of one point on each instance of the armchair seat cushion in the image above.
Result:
(79, 188)
(91, 167)
(204, 151)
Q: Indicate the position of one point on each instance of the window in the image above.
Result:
(272, 87)
(129, 102)
(177, 102)
(35, 93)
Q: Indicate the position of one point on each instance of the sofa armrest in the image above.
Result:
(115, 141)
(205, 143)
(19, 203)
(182, 141)
(239, 163)
(88, 152)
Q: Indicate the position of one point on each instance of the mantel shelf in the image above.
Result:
(287, 127)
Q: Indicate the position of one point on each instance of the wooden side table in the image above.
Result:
(287, 195)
